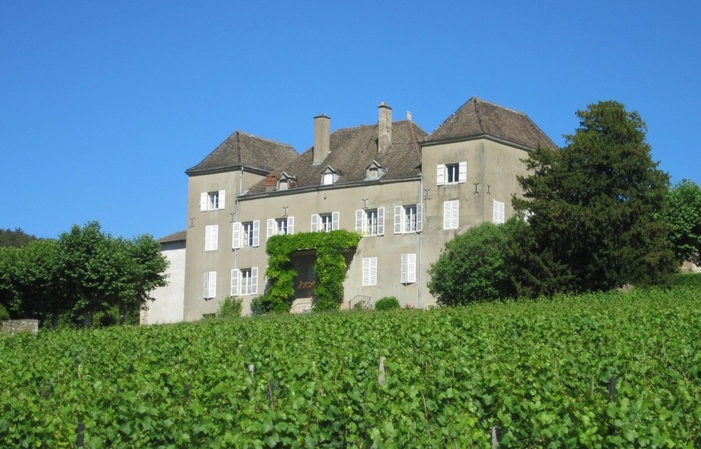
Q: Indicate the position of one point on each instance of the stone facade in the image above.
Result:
(13, 326)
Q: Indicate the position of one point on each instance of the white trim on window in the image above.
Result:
(369, 271)
(211, 237)
(498, 212)
(244, 282)
(408, 268)
(451, 214)
(370, 221)
(209, 285)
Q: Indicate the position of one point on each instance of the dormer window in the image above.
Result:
(374, 171)
(329, 176)
(285, 182)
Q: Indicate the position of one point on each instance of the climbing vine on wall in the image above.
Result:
(330, 268)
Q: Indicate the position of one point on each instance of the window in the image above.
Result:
(407, 218)
(325, 222)
(280, 226)
(329, 178)
(408, 266)
(246, 234)
(451, 173)
(244, 281)
(369, 271)
(451, 214)
(211, 237)
(498, 212)
(283, 184)
(210, 284)
(212, 200)
(370, 221)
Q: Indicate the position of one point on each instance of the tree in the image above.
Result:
(683, 215)
(15, 239)
(594, 209)
(472, 266)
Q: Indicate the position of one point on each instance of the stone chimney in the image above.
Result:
(322, 137)
(384, 133)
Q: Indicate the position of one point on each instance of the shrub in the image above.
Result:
(4, 315)
(231, 307)
(692, 280)
(387, 303)
(258, 306)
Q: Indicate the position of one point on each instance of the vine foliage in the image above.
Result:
(330, 268)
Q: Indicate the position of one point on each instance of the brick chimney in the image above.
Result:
(270, 182)
(384, 133)
(322, 137)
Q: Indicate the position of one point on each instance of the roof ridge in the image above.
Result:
(498, 106)
(260, 138)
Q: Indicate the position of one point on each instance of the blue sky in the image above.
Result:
(104, 105)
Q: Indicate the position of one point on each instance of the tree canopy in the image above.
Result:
(593, 209)
(84, 272)
(683, 215)
(15, 239)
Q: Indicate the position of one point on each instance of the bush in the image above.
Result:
(258, 306)
(4, 315)
(387, 303)
(231, 307)
(692, 280)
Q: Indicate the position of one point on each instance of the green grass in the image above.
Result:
(538, 370)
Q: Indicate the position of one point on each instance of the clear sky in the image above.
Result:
(104, 105)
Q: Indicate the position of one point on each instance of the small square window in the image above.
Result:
(326, 222)
(213, 200)
(452, 172)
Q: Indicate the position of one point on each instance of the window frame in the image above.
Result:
(369, 271)
(212, 200)
(211, 238)
(451, 214)
(364, 222)
(209, 288)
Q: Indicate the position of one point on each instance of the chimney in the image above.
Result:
(384, 133)
(270, 182)
(322, 137)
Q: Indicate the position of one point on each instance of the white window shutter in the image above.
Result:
(335, 221)
(455, 215)
(235, 282)
(236, 235)
(359, 220)
(290, 225)
(495, 213)
(398, 219)
(440, 175)
(366, 271)
(419, 217)
(254, 280)
(211, 237)
(205, 285)
(373, 271)
(462, 174)
(271, 228)
(411, 268)
(315, 222)
(447, 207)
(404, 269)
(380, 221)
(498, 212)
(203, 201)
(210, 284)
(222, 203)
(256, 232)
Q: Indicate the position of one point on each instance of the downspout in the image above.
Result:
(236, 214)
(421, 240)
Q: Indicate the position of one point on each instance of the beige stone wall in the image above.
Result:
(167, 306)
(12, 326)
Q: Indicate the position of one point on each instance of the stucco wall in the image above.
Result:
(169, 300)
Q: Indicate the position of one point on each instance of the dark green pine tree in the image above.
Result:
(594, 209)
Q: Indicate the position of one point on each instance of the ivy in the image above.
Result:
(330, 268)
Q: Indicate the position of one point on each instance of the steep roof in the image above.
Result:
(352, 150)
(241, 149)
(480, 118)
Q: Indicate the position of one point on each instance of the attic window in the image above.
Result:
(329, 178)
(373, 173)
(283, 184)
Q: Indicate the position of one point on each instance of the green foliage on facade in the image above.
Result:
(683, 215)
(387, 303)
(330, 268)
(538, 370)
(473, 266)
(230, 307)
(594, 209)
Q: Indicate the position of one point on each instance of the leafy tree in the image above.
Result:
(473, 267)
(387, 303)
(683, 215)
(594, 209)
(15, 239)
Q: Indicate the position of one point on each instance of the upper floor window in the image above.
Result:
(374, 171)
(407, 218)
(244, 281)
(329, 178)
(451, 214)
(370, 221)
(451, 173)
(212, 200)
(498, 212)
(246, 234)
(325, 222)
(211, 237)
(210, 285)
(280, 226)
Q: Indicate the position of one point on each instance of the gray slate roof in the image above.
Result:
(241, 149)
(480, 118)
(175, 237)
(352, 150)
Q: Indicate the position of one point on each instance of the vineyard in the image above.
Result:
(605, 370)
